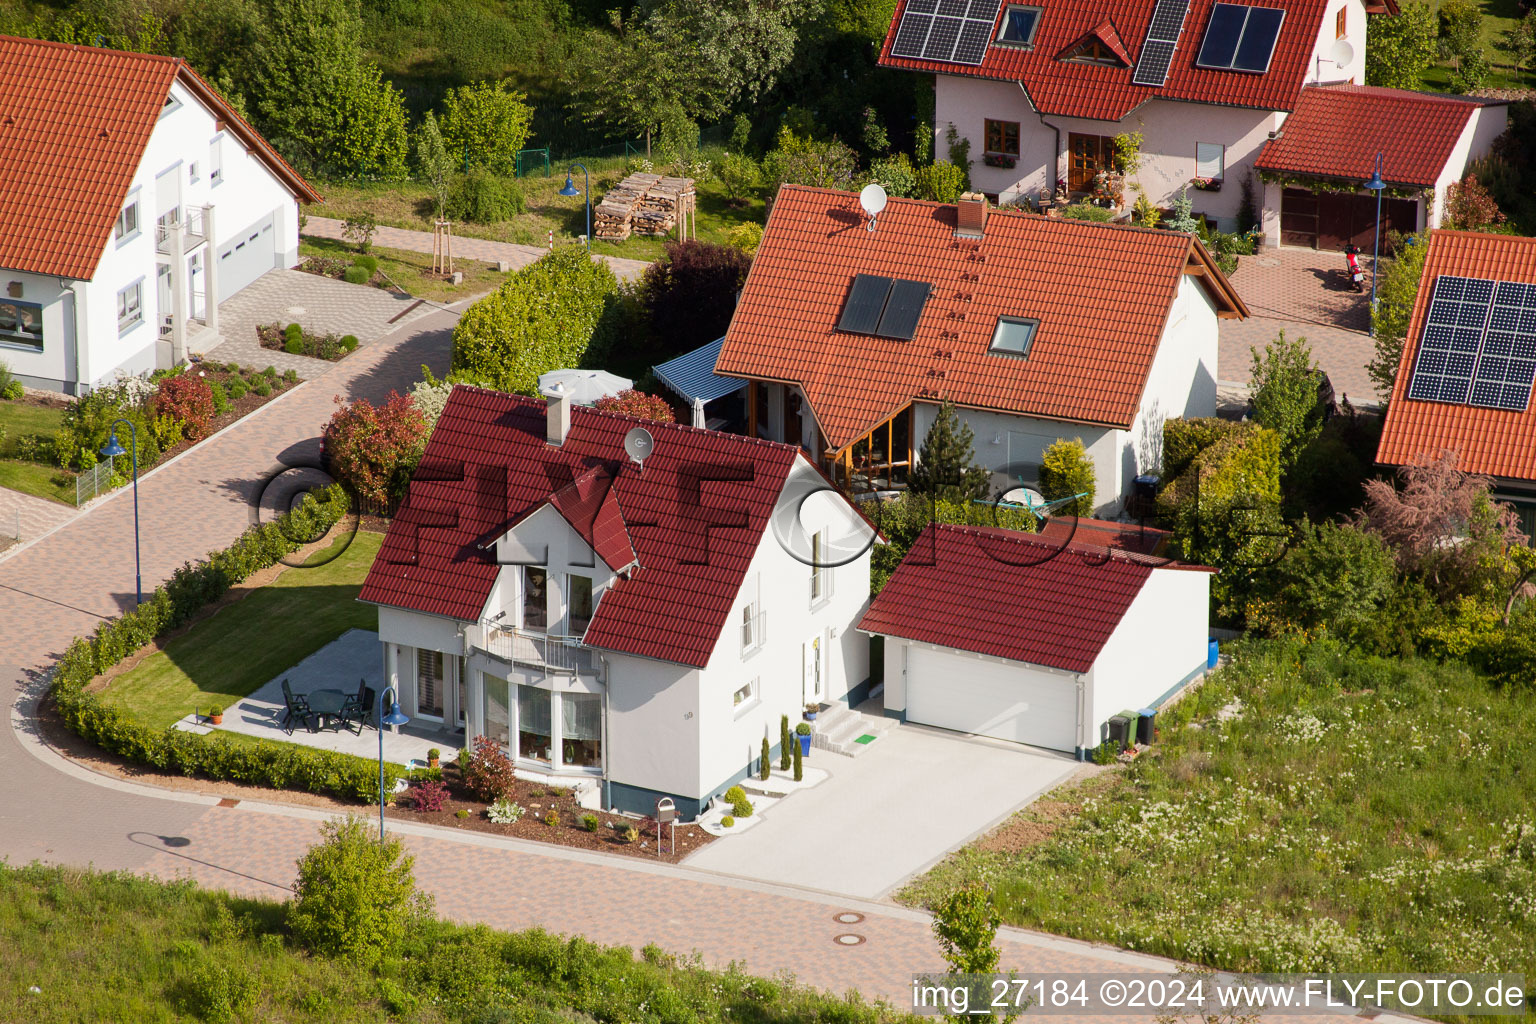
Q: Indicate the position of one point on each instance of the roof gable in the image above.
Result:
(1102, 294)
(74, 125)
(1107, 39)
(1100, 92)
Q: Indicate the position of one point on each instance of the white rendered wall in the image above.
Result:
(1161, 640)
(1484, 126)
(1182, 381)
(55, 364)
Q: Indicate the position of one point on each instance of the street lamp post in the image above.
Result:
(111, 451)
(1377, 185)
(395, 717)
(570, 190)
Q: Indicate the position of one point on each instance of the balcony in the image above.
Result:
(552, 653)
(188, 223)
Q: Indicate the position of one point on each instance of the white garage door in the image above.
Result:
(247, 256)
(990, 698)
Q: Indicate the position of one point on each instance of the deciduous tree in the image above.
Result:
(1284, 381)
(355, 894)
(485, 124)
(435, 164)
(1395, 295)
(1401, 47)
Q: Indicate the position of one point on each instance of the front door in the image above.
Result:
(811, 684)
(1087, 155)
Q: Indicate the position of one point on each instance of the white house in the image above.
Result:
(853, 332)
(1040, 91)
(642, 623)
(1038, 638)
(135, 200)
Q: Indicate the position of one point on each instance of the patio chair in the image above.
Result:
(359, 707)
(297, 708)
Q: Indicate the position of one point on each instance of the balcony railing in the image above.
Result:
(550, 652)
(188, 222)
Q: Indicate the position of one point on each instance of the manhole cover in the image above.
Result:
(848, 939)
(848, 917)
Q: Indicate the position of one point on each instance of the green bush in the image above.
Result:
(1333, 578)
(368, 263)
(740, 805)
(88, 424)
(349, 342)
(941, 181)
(220, 398)
(262, 387)
(352, 275)
(218, 992)
(1087, 211)
(727, 822)
(589, 822)
(293, 344)
(481, 197)
(355, 895)
(237, 388)
(542, 318)
(1067, 470)
(740, 177)
(1185, 439)
(895, 174)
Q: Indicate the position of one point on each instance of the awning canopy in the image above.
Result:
(585, 387)
(692, 375)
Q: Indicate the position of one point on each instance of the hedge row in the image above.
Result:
(190, 589)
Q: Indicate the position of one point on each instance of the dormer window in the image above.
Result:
(1092, 51)
(1019, 25)
(1014, 336)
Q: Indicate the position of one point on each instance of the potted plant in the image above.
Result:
(803, 730)
(811, 710)
(216, 715)
(434, 756)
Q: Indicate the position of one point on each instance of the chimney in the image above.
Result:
(558, 418)
(972, 209)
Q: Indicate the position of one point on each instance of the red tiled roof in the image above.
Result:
(74, 121)
(1101, 293)
(1337, 130)
(1495, 442)
(1107, 93)
(694, 517)
(1011, 595)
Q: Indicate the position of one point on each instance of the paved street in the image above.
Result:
(25, 517)
(466, 248)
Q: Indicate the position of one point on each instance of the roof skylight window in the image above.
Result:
(1014, 335)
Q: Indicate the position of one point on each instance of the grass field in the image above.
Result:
(24, 419)
(81, 946)
(232, 653)
(412, 270)
(409, 205)
(1306, 810)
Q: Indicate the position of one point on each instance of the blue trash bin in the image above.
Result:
(1212, 653)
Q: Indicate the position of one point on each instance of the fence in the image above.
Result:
(92, 482)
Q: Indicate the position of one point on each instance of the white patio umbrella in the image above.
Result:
(585, 387)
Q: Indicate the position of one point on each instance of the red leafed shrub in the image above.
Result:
(428, 795)
(637, 403)
(1470, 207)
(372, 450)
(489, 774)
(690, 292)
(188, 399)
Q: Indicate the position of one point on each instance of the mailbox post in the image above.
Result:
(666, 814)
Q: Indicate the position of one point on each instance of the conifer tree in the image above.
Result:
(947, 468)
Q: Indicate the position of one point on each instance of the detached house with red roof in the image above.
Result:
(1469, 361)
(135, 200)
(616, 601)
(852, 332)
(1040, 90)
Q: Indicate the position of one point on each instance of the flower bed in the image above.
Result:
(296, 341)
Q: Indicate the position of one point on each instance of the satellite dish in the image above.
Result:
(872, 198)
(639, 444)
(1343, 53)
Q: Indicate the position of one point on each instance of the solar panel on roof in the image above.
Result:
(953, 31)
(1506, 365)
(903, 309)
(866, 303)
(912, 35)
(984, 10)
(942, 38)
(972, 47)
(1168, 20)
(1259, 37)
(1240, 38)
(1162, 40)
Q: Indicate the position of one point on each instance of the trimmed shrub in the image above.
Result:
(1066, 470)
(785, 742)
(355, 896)
(352, 275)
(1185, 439)
(348, 343)
(630, 402)
(428, 795)
(895, 174)
(544, 317)
(747, 237)
(589, 822)
(727, 822)
(372, 449)
(188, 400)
(220, 397)
(690, 293)
(237, 388)
(940, 181)
(799, 767)
(1087, 211)
(490, 775)
(764, 762)
(481, 197)
(740, 805)
(369, 263)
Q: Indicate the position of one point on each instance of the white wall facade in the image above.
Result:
(1484, 126)
(82, 344)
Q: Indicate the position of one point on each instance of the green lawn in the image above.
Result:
(409, 205)
(1499, 16)
(38, 480)
(20, 420)
(1347, 813)
(83, 946)
(412, 270)
(244, 645)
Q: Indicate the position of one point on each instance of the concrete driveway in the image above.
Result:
(889, 814)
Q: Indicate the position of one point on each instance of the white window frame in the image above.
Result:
(746, 696)
(127, 321)
(1002, 26)
(19, 339)
(754, 623)
(1204, 157)
(192, 176)
(121, 236)
(1020, 321)
(171, 104)
(821, 575)
(216, 161)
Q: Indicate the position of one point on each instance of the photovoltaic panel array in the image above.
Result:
(1162, 40)
(1240, 38)
(884, 306)
(1478, 345)
(954, 31)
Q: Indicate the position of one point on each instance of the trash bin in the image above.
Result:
(1120, 729)
(1146, 487)
(1212, 654)
(1146, 725)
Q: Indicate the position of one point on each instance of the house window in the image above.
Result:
(1002, 137)
(130, 307)
(171, 103)
(534, 736)
(753, 623)
(1210, 160)
(127, 220)
(535, 598)
(216, 161)
(429, 683)
(878, 461)
(1014, 335)
(192, 172)
(579, 596)
(581, 730)
(21, 324)
(1341, 23)
(821, 575)
(496, 717)
(1019, 25)
(1092, 51)
(744, 696)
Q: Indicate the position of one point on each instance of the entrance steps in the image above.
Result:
(839, 727)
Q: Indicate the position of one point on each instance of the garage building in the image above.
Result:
(1036, 638)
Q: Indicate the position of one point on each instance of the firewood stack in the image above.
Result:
(644, 203)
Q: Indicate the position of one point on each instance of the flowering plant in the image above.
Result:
(999, 160)
(1206, 184)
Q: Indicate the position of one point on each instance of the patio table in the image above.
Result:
(326, 704)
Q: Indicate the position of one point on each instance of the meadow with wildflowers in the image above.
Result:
(1308, 808)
